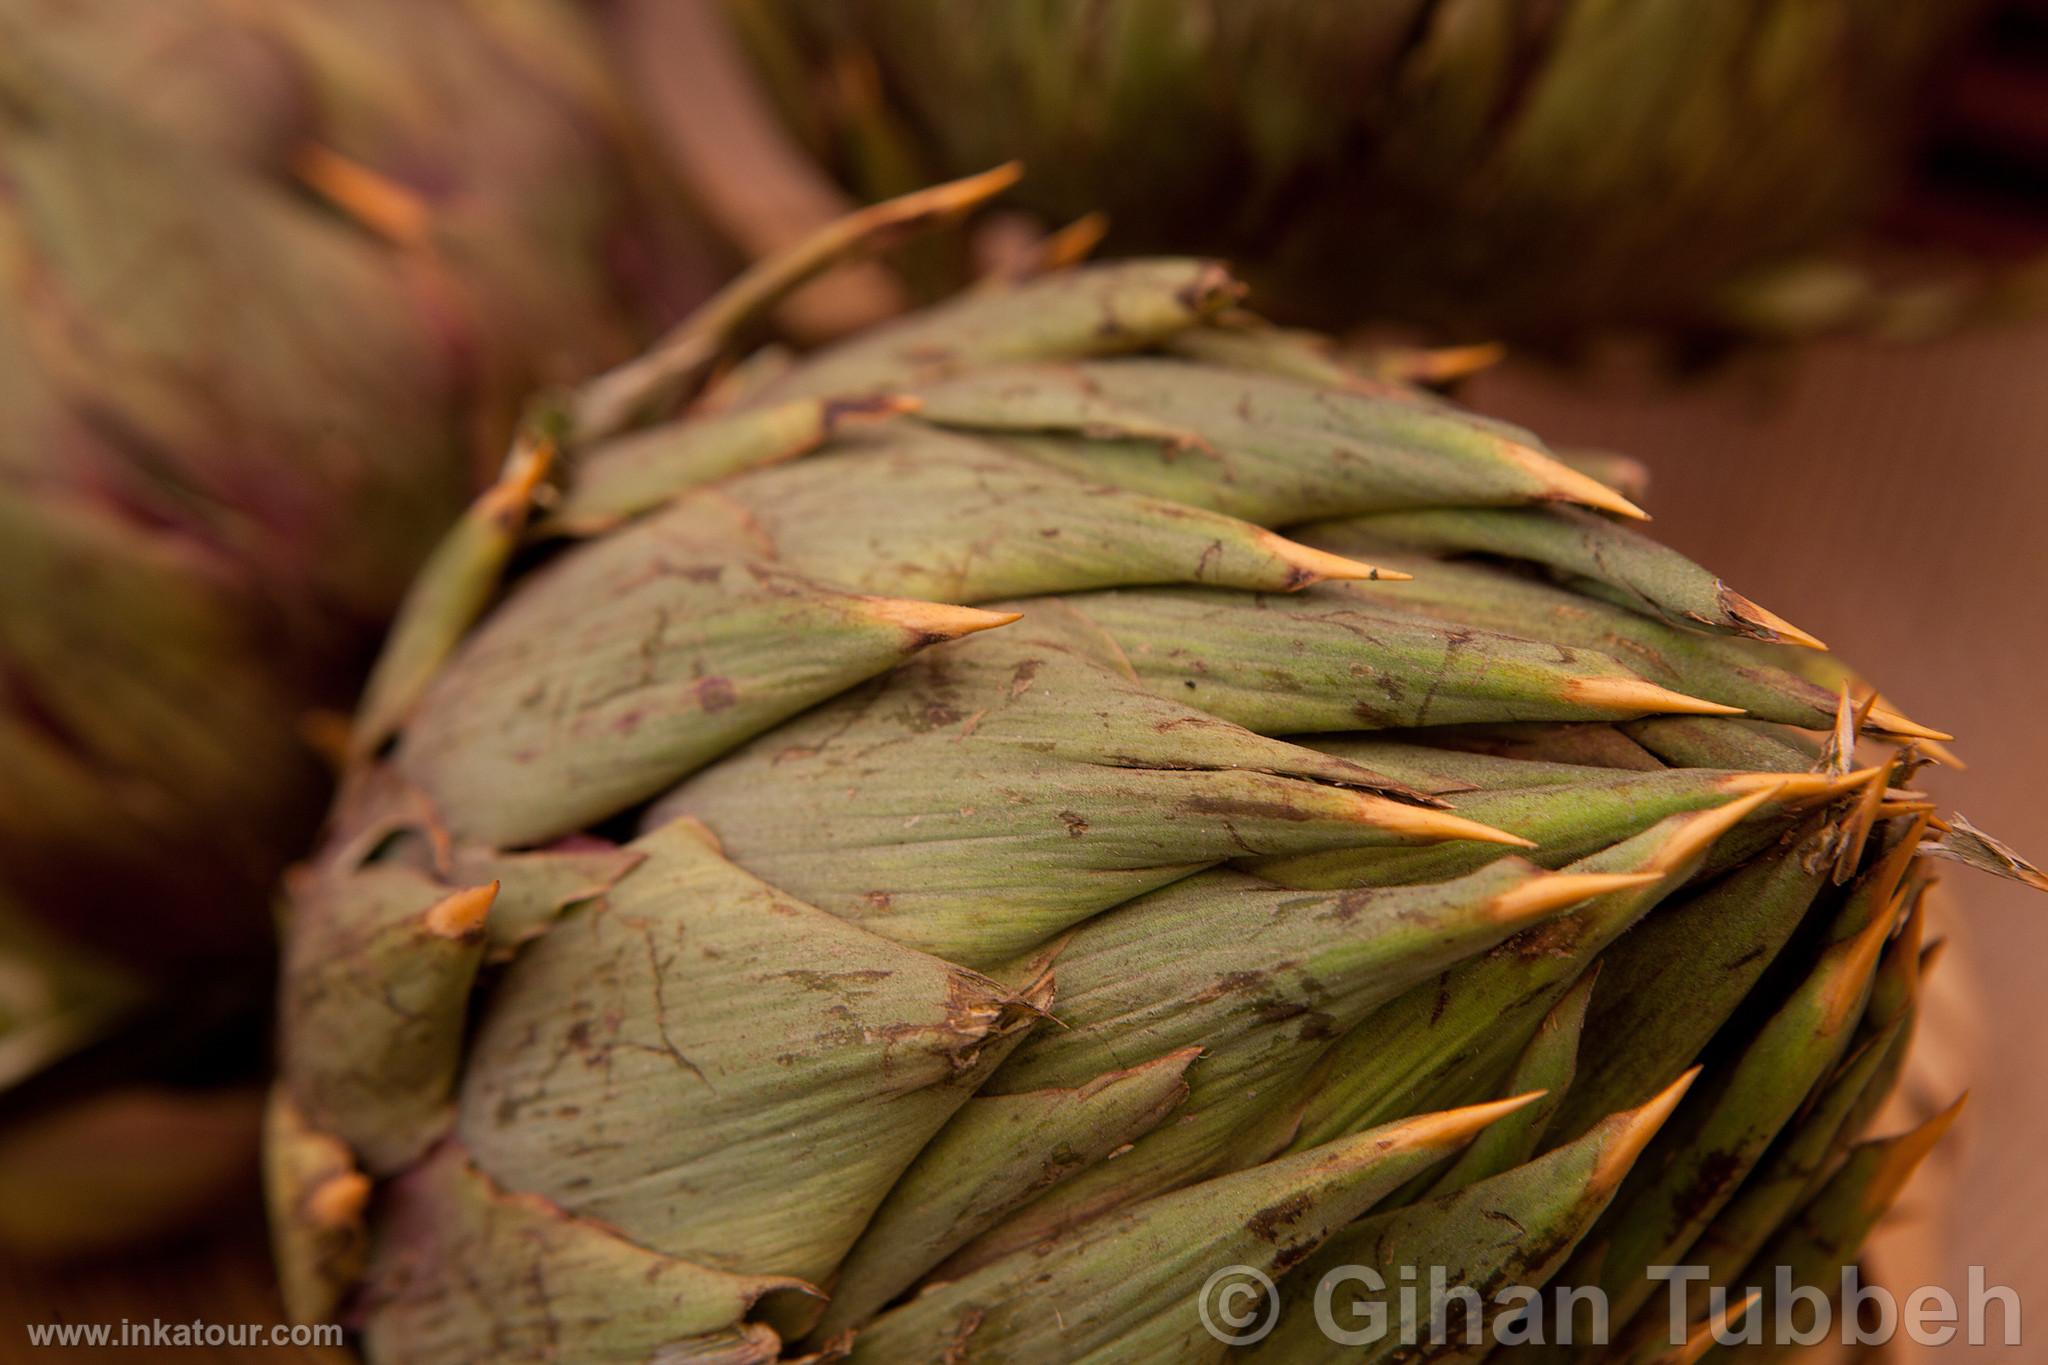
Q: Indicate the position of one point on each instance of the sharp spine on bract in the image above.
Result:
(1561, 889)
(1633, 695)
(461, 913)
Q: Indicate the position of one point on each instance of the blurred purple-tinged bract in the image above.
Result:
(1538, 172)
(238, 416)
(274, 281)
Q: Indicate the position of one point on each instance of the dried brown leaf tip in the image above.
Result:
(1966, 844)
(1768, 624)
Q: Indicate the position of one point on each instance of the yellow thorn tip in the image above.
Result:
(1075, 242)
(952, 197)
(938, 620)
(1419, 822)
(1800, 786)
(1442, 364)
(1942, 754)
(1843, 996)
(1556, 890)
(1904, 1153)
(1311, 565)
(1635, 1128)
(1639, 695)
(1561, 482)
(1887, 721)
(374, 200)
(1701, 1339)
(461, 913)
(339, 1200)
(1701, 828)
(1451, 1126)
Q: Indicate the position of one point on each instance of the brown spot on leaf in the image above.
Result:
(956, 1349)
(936, 716)
(1076, 826)
(1293, 1254)
(1711, 1184)
(1278, 1011)
(715, 693)
(1318, 1026)
(1350, 905)
(1553, 938)
(1241, 807)
(1373, 716)
(1267, 1223)
(834, 982)
(1231, 983)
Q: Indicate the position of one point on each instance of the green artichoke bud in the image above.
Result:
(936, 850)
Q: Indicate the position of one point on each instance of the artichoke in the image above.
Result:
(275, 279)
(906, 858)
(1478, 166)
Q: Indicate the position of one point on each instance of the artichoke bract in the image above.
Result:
(951, 842)
(275, 278)
(1480, 166)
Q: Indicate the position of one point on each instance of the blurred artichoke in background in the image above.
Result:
(1486, 167)
(273, 280)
